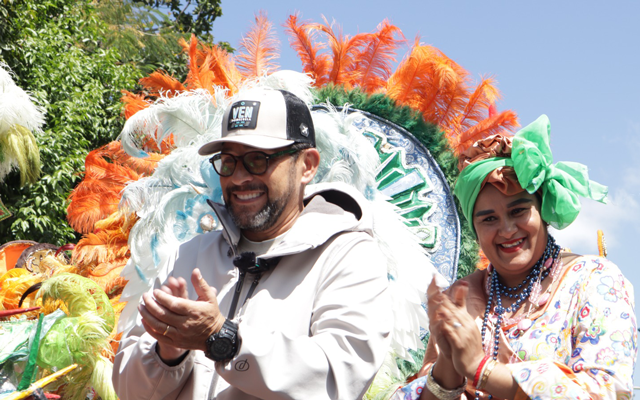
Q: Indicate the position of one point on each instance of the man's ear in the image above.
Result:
(310, 161)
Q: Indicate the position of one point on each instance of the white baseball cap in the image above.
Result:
(265, 119)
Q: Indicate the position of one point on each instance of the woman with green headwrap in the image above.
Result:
(539, 322)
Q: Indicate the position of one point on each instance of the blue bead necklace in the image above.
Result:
(520, 293)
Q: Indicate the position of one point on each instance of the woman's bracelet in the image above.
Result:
(476, 378)
(486, 371)
(442, 393)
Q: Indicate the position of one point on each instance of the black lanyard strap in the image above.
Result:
(246, 262)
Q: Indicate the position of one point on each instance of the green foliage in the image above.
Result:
(429, 135)
(183, 12)
(55, 47)
(75, 56)
(143, 36)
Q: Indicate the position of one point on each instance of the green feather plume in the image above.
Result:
(80, 295)
(79, 338)
(101, 379)
(19, 149)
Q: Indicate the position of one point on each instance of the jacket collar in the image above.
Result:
(230, 231)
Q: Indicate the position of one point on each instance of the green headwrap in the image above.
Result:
(531, 160)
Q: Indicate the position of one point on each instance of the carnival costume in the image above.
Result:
(577, 339)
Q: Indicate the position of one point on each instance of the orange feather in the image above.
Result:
(199, 53)
(301, 39)
(133, 103)
(200, 75)
(161, 82)
(451, 101)
(431, 83)
(107, 269)
(375, 61)
(13, 284)
(258, 49)
(97, 167)
(207, 76)
(477, 108)
(504, 123)
(85, 210)
(224, 70)
(210, 66)
(107, 276)
(99, 247)
(193, 76)
(447, 91)
(142, 166)
(98, 195)
(113, 289)
(102, 254)
(345, 50)
(410, 74)
(484, 261)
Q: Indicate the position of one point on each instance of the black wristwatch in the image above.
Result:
(224, 344)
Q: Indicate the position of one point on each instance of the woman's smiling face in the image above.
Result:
(511, 232)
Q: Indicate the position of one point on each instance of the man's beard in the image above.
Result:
(265, 218)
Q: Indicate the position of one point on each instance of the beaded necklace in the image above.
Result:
(520, 293)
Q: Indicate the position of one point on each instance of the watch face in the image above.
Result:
(221, 347)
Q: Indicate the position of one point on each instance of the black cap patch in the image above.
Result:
(244, 115)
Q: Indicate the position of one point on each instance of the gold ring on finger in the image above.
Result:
(166, 330)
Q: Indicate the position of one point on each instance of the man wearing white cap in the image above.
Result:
(288, 300)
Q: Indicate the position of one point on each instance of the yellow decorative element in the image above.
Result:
(40, 384)
(602, 245)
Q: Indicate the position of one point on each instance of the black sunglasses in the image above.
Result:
(255, 162)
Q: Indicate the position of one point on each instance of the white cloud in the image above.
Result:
(619, 219)
(616, 219)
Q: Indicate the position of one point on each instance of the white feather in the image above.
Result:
(143, 195)
(181, 167)
(138, 129)
(17, 107)
(295, 82)
(346, 155)
(191, 117)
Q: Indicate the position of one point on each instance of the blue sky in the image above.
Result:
(576, 61)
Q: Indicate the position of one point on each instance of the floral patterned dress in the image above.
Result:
(581, 345)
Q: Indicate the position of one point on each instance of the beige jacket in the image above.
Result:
(316, 327)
